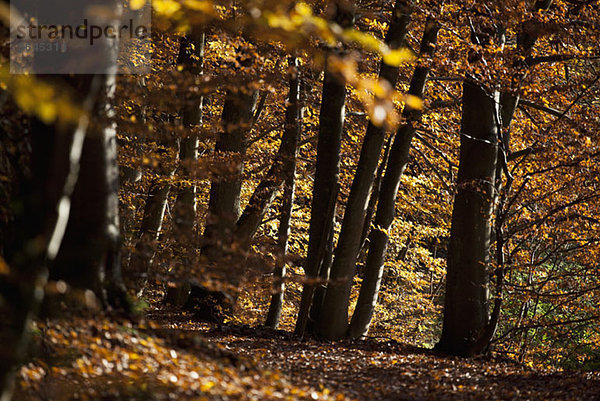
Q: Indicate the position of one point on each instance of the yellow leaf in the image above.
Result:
(207, 386)
(303, 9)
(414, 102)
(166, 7)
(136, 4)
(204, 5)
(47, 112)
(397, 57)
(365, 40)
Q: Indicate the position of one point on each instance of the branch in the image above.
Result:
(451, 79)
(549, 110)
(557, 58)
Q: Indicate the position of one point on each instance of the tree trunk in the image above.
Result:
(224, 202)
(45, 211)
(386, 208)
(331, 126)
(288, 151)
(191, 58)
(374, 197)
(38, 230)
(509, 101)
(88, 255)
(466, 305)
(334, 320)
(276, 304)
(154, 212)
(282, 168)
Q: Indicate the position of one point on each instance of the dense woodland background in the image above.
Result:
(418, 172)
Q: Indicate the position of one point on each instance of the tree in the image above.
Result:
(67, 222)
(292, 133)
(467, 281)
(191, 58)
(224, 204)
(331, 125)
(386, 210)
(334, 314)
(89, 256)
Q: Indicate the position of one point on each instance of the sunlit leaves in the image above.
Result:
(166, 7)
(50, 103)
(137, 4)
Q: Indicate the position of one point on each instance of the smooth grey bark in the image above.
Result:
(333, 316)
(509, 101)
(331, 126)
(466, 305)
(276, 304)
(326, 178)
(152, 220)
(386, 208)
(191, 58)
(374, 197)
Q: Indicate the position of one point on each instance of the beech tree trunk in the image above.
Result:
(374, 197)
(224, 202)
(49, 203)
(154, 212)
(89, 254)
(281, 170)
(191, 58)
(386, 208)
(292, 134)
(38, 229)
(331, 126)
(509, 101)
(466, 305)
(334, 313)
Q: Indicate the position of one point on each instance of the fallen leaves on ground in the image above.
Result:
(170, 357)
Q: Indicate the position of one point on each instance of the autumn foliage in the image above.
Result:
(230, 121)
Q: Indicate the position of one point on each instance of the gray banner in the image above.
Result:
(80, 37)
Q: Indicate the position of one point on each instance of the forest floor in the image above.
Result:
(169, 357)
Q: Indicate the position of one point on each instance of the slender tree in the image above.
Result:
(386, 210)
(293, 129)
(331, 125)
(335, 310)
(191, 59)
(224, 203)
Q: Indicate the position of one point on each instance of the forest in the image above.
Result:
(317, 199)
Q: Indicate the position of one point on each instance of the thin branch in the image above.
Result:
(549, 110)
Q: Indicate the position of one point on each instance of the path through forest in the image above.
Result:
(388, 370)
(168, 356)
